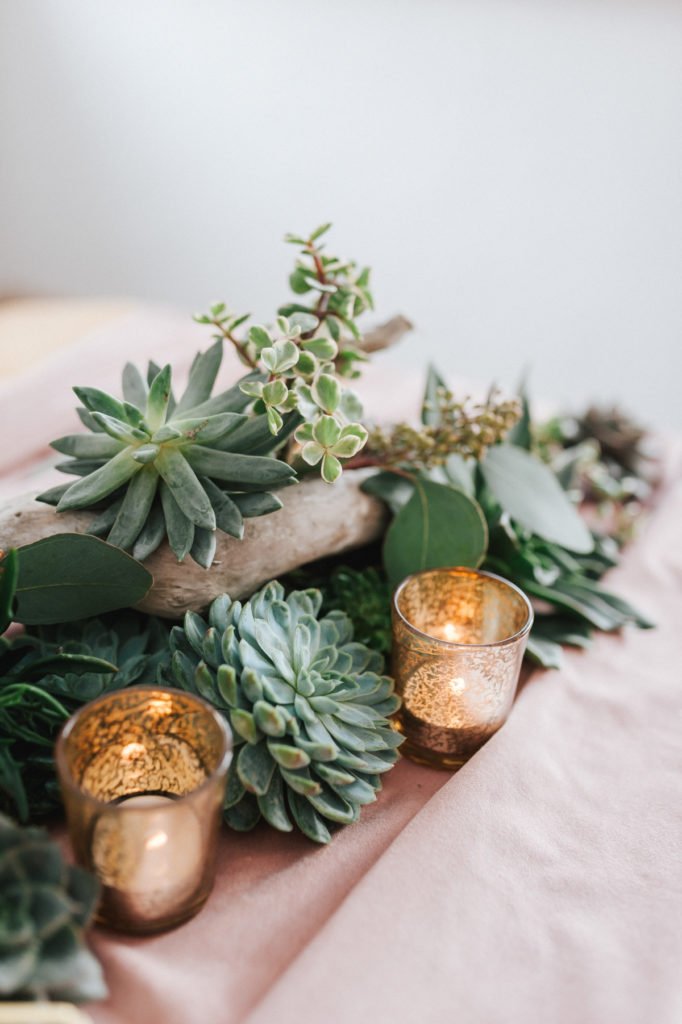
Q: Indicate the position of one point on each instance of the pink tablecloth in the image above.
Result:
(539, 884)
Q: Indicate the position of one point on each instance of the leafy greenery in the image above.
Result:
(45, 675)
(365, 597)
(603, 457)
(448, 425)
(161, 467)
(9, 574)
(534, 537)
(306, 702)
(71, 575)
(297, 365)
(46, 907)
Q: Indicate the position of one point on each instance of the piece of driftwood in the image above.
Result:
(316, 520)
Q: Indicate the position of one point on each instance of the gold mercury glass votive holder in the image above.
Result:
(142, 773)
(458, 641)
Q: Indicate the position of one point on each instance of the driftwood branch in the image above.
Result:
(386, 334)
(317, 520)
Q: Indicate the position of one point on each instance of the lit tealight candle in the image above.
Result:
(152, 857)
(143, 775)
(458, 641)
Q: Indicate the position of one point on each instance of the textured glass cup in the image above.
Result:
(142, 772)
(458, 642)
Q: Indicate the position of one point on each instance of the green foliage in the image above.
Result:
(534, 537)
(365, 596)
(450, 427)
(9, 574)
(307, 705)
(46, 907)
(315, 342)
(531, 495)
(418, 537)
(45, 675)
(158, 468)
(70, 575)
(602, 456)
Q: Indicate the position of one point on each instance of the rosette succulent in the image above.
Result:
(45, 907)
(308, 707)
(161, 468)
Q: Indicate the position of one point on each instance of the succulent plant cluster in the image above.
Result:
(313, 344)
(162, 468)
(46, 906)
(308, 707)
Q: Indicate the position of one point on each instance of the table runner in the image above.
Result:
(539, 883)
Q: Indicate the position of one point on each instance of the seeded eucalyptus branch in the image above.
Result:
(451, 427)
(303, 356)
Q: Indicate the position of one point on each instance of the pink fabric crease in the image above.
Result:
(539, 883)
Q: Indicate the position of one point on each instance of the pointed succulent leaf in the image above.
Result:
(255, 767)
(203, 547)
(204, 682)
(273, 806)
(158, 398)
(308, 820)
(146, 453)
(179, 527)
(88, 446)
(243, 471)
(185, 488)
(96, 401)
(134, 387)
(201, 379)
(243, 816)
(288, 757)
(227, 684)
(134, 509)
(235, 788)
(120, 430)
(243, 723)
(100, 483)
(269, 718)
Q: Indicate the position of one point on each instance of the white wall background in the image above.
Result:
(511, 169)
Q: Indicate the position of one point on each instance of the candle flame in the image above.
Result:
(451, 632)
(162, 705)
(156, 841)
(457, 685)
(132, 750)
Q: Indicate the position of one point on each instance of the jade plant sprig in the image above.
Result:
(303, 356)
(157, 467)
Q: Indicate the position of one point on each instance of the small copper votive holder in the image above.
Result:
(142, 772)
(458, 642)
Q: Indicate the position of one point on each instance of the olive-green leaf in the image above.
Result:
(531, 494)
(439, 526)
(73, 576)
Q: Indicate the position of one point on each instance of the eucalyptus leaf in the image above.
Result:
(530, 493)
(439, 526)
(72, 576)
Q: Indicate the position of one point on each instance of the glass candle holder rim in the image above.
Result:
(452, 644)
(66, 777)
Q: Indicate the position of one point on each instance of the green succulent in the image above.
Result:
(307, 706)
(47, 674)
(160, 468)
(45, 907)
